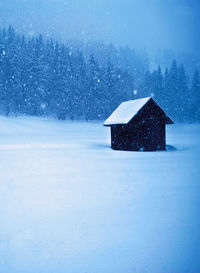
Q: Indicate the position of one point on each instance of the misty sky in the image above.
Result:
(146, 24)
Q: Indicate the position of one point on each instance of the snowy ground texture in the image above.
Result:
(70, 204)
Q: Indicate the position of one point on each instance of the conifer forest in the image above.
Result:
(43, 77)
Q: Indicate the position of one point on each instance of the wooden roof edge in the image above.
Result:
(168, 120)
(114, 124)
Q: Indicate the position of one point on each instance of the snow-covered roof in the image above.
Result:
(126, 111)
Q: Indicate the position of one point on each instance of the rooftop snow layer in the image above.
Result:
(126, 111)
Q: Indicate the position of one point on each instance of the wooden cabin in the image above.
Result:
(138, 125)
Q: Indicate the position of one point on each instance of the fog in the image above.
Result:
(68, 202)
(143, 24)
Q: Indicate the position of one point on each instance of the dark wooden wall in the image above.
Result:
(146, 136)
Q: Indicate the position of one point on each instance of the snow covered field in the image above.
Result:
(70, 204)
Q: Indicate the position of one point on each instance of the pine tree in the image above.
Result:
(183, 98)
(109, 100)
(79, 89)
(37, 81)
(195, 97)
(167, 93)
(94, 93)
(158, 85)
(8, 70)
(171, 90)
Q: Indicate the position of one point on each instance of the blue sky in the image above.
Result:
(147, 24)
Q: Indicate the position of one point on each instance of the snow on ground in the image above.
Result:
(70, 204)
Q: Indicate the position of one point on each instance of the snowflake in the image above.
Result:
(43, 105)
(135, 92)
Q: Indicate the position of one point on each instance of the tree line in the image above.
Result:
(45, 78)
(174, 91)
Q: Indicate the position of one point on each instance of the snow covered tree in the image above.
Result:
(183, 97)
(195, 97)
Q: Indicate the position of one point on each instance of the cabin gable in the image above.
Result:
(151, 111)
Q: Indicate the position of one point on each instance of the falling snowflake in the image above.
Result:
(43, 105)
(135, 92)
